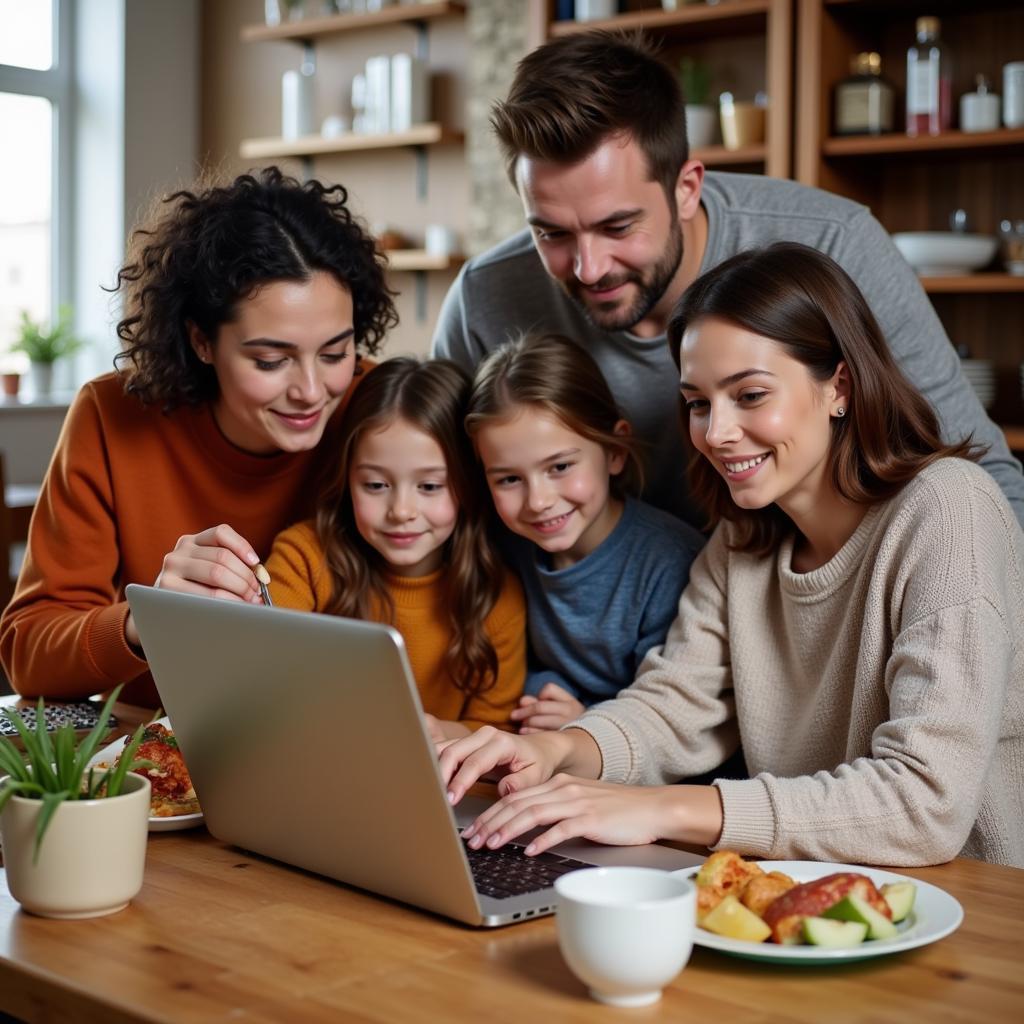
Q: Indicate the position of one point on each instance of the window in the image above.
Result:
(35, 116)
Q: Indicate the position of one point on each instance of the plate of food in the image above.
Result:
(173, 803)
(808, 912)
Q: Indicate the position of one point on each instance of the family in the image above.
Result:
(692, 479)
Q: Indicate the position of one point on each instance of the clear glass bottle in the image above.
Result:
(929, 82)
(864, 101)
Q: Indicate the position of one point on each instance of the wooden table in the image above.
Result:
(220, 935)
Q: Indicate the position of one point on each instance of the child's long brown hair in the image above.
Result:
(431, 397)
(550, 372)
(806, 302)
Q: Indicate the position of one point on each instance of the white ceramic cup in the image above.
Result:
(625, 932)
(440, 240)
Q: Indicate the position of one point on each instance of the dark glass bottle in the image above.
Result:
(864, 101)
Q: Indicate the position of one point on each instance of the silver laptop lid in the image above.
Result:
(304, 738)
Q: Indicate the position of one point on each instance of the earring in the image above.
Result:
(841, 411)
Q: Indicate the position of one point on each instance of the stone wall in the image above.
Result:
(497, 35)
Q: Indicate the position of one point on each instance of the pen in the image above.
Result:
(263, 577)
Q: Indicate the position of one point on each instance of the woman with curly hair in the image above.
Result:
(248, 307)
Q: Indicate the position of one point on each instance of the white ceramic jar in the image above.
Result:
(1013, 94)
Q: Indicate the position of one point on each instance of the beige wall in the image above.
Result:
(241, 98)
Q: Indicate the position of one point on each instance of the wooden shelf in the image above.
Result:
(420, 259)
(980, 284)
(942, 8)
(698, 20)
(897, 142)
(306, 29)
(1014, 438)
(430, 134)
(718, 156)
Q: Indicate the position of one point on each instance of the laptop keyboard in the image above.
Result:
(509, 872)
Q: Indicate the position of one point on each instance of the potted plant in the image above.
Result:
(74, 835)
(701, 116)
(44, 347)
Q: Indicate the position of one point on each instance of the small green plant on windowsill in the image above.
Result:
(57, 769)
(47, 346)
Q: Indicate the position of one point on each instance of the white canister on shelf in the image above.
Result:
(298, 102)
(1013, 94)
(979, 110)
(595, 10)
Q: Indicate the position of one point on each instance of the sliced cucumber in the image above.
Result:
(900, 897)
(823, 931)
(853, 908)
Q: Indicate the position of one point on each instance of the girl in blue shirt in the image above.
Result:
(602, 571)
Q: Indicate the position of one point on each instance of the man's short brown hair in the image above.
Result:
(571, 94)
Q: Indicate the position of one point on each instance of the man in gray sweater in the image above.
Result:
(621, 222)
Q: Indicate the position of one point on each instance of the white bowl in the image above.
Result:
(939, 253)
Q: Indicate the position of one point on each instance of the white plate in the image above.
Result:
(171, 824)
(936, 914)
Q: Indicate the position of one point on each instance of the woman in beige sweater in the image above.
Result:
(856, 620)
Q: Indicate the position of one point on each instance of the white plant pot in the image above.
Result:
(701, 125)
(91, 859)
(42, 378)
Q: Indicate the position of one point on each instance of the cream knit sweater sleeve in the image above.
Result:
(880, 698)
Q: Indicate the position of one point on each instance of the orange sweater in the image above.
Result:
(299, 579)
(125, 482)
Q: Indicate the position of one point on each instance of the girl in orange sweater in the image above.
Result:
(399, 537)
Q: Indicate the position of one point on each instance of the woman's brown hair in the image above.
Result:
(550, 372)
(806, 302)
(431, 397)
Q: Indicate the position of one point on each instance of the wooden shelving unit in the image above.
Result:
(897, 143)
(913, 184)
(307, 32)
(973, 284)
(421, 260)
(716, 27)
(306, 29)
(691, 21)
(719, 156)
(430, 134)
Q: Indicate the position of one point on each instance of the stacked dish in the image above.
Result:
(981, 375)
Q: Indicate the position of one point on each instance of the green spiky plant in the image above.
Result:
(57, 769)
(47, 346)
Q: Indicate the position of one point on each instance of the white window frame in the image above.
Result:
(57, 85)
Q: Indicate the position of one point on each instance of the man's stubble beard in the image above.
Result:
(650, 288)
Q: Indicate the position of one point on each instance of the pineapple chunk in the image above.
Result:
(734, 921)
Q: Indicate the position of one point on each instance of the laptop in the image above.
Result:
(305, 740)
